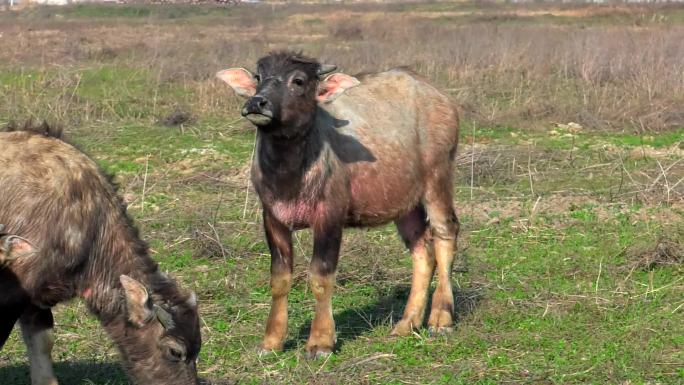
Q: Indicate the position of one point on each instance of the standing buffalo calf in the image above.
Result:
(381, 151)
(66, 234)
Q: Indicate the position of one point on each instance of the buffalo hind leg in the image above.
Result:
(279, 239)
(413, 230)
(444, 226)
(327, 241)
(36, 328)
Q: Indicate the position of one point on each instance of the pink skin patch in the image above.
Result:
(301, 211)
(87, 293)
(293, 213)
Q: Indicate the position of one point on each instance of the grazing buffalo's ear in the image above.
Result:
(192, 300)
(138, 304)
(240, 80)
(334, 85)
(14, 247)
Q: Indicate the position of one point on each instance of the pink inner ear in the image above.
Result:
(325, 90)
(334, 85)
(240, 80)
(20, 246)
(328, 87)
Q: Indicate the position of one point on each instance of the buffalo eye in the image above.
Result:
(298, 82)
(175, 355)
(174, 351)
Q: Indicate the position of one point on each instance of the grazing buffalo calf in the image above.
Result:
(381, 151)
(66, 234)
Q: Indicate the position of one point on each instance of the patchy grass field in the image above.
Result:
(570, 267)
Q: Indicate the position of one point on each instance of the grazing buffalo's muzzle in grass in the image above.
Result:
(66, 233)
(164, 338)
(337, 150)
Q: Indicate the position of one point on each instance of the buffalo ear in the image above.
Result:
(335, 85)
(138, 304)
(192, 300)
(14, 247)
(240, 80)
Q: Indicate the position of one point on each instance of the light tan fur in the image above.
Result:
(276, 325)
(322, 337)
(443, 299)
(423, 268)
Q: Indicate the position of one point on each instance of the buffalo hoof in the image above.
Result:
(45, 381)
(318, 352)
(441, 321)
(440, 330)
(263, 352)
(402, 328)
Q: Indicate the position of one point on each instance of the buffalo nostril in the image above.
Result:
(263, 103)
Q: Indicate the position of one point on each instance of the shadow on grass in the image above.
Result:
(387, 310)
(75, 373)
(72, 373)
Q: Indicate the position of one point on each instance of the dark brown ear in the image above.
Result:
(138, 304)
(14, 247)
(240, 80)
(334, 85)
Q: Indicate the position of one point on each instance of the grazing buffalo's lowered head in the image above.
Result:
(160, 338)
(284, 91)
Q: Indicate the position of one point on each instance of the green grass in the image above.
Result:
(547, 298)
(128, 11)
(670, 138)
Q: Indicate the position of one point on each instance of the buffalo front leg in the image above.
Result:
(8, 317)
(327, 241)
(36, 329)
(279, 239)
(413, 230)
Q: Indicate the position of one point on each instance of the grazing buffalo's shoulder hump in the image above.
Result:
(41, 154)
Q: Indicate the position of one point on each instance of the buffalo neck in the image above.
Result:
(118, 251)
(283, 160)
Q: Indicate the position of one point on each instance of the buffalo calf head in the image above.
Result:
(285, 89)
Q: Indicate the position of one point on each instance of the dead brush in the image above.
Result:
(662, 185)
(665, 252)
(528, 71)
(207, 238)
(178, 117)
(346, 31)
